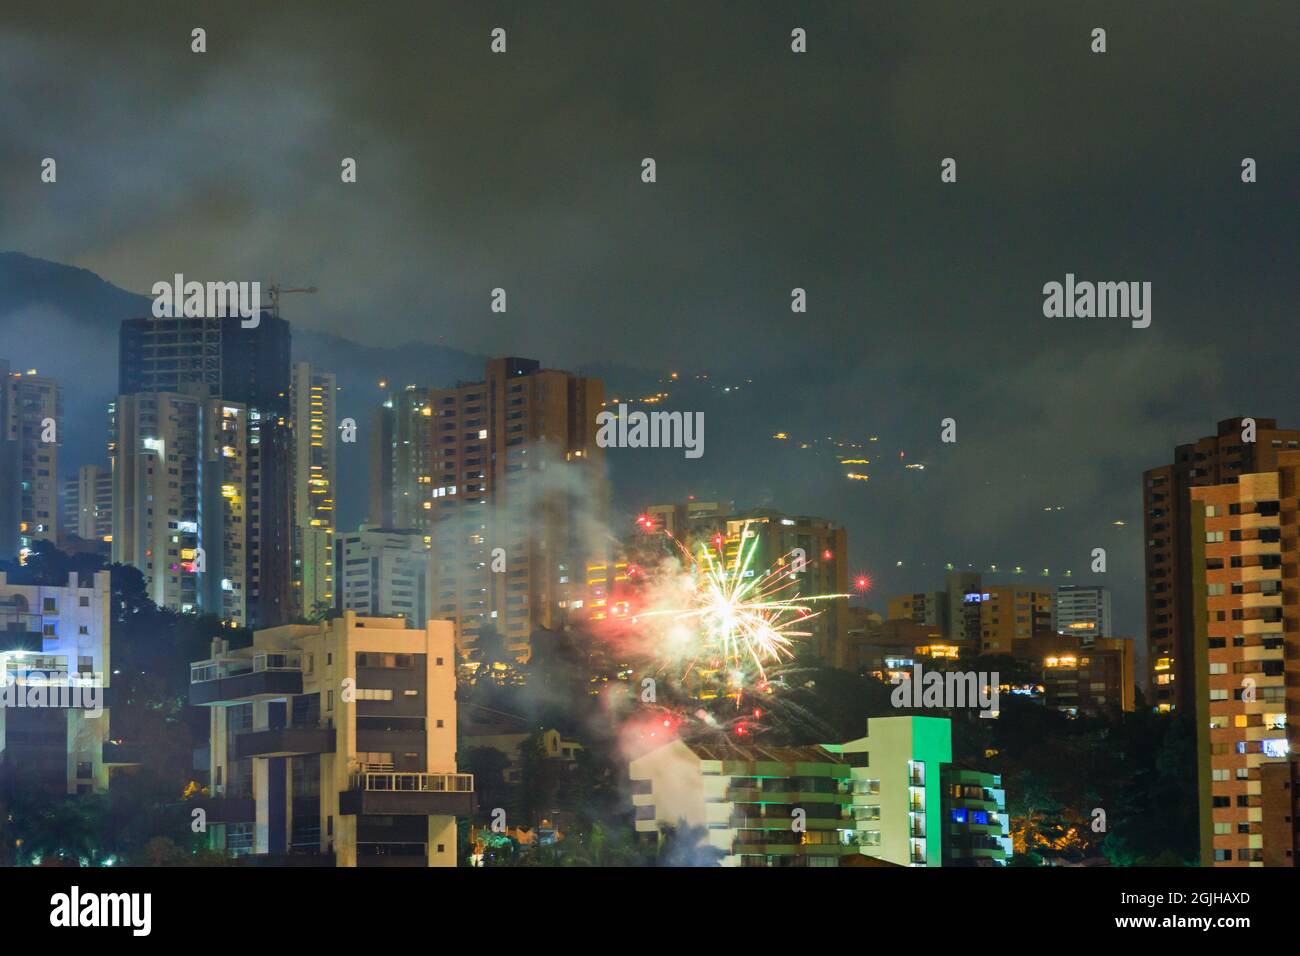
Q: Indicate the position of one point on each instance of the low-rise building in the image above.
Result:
(878, 796)
(335, 740)
(54, 679)
(977, 831)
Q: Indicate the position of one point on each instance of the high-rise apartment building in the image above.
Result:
(32, 416)
(878, 796)
(54, 676)
(1215, 460)
(385, 572)
(87, 506)
(218, 358)
(11, 485)
(1243, 570)
(1082, 610)
(212, 358)
(502, 473)
(312, 394)
(335, 741)
(180, 500)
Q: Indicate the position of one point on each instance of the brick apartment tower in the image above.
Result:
(1216, 460)
(1245, 611)
(509, 462)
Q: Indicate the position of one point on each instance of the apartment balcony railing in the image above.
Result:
(226, 667)
(410, 794)
(413, 782)
(265, 675)
(792, 795)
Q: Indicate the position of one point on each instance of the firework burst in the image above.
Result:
(733, 618)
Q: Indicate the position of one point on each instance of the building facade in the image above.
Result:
(1244, 563)
(87, 506)
(385, 572)
(54, 676)
(181, 500)
(1082, 610)
(335, 743)
(926, 608)
(315, 481)
(1170, 573)
(221, 360)
(878, 796)
(984, 618)
(505, 476)
(32, 416)
(975, 819)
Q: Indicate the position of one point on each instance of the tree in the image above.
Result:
(488, 765)
(535, 783)
(323, 611)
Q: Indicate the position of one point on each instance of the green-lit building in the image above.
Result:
(878, 796)
(975, 825)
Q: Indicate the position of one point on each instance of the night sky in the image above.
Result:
(775, 170)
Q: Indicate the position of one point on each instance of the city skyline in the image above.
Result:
(698, 433)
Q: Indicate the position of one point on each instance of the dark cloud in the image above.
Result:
(775, 171)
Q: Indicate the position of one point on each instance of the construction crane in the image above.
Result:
(275, 291)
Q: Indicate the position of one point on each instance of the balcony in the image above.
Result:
(264, 676)
(409, 794)
(789, 796)
(285, 742)
(781, 822)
